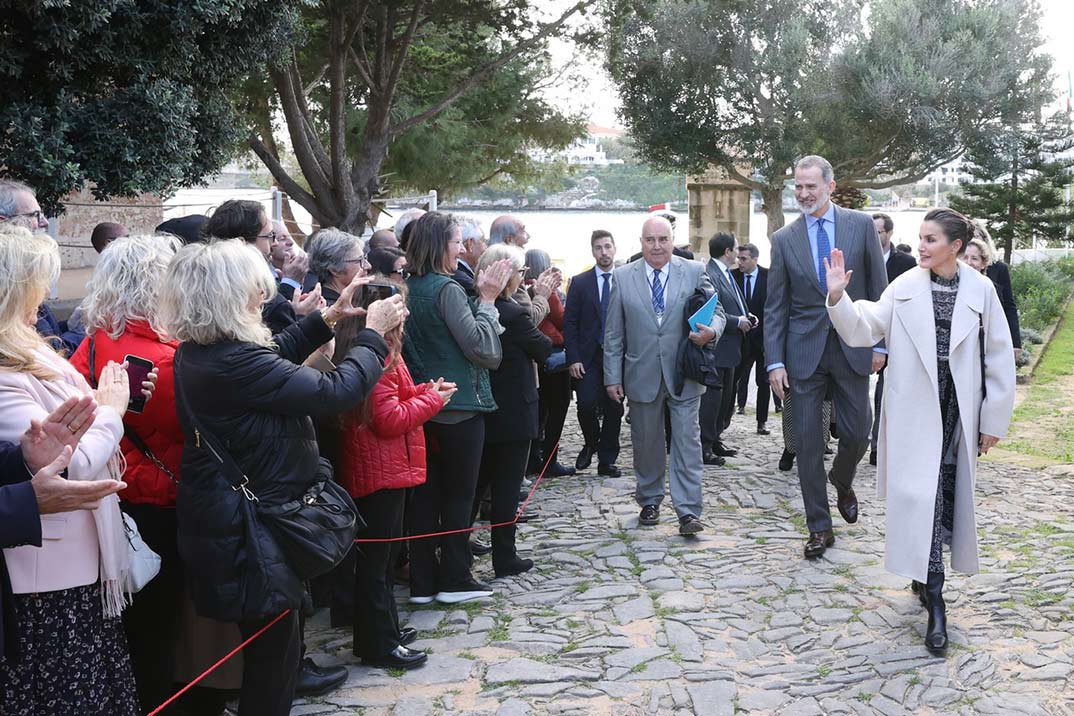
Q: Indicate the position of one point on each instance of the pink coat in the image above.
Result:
(69, 555)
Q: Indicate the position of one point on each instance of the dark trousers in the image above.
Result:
(442, 503)
(270, 667)
(753, 356)
(853, 416)
(503, 466)
(555, 399)
(151, 622)
(593, 404)
(878, 400)
(717, 407)
(376, 620)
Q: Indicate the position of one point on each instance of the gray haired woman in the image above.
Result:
(336, 257)
(554, 380)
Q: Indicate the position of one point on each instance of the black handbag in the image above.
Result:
(314, 532)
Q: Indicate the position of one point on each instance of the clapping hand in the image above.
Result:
(838, 276)
(295, 266)
(113, 387)
(491, 281)
(63, 427)
(547, 282)
(443, 388)
(55, 494)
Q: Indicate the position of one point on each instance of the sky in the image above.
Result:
(598, 100)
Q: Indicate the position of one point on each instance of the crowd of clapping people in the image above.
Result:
(427, 371)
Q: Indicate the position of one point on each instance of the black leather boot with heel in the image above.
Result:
(936, 634)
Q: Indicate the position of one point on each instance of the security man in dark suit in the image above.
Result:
(897, 263)
(583, 338)
(752, 281)
(718, 404)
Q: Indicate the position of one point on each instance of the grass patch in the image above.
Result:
(638, 668)
(568, 647)
(467, 654)
(1043, 423)
(864, 696)
(1041, 598)
(396, 673)
(583, 586)
(499, 632)
(824, 670)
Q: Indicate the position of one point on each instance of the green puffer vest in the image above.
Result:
(430, 351)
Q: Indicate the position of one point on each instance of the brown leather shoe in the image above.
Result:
(818, 542)
(847, 502)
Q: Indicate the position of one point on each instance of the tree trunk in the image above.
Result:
(772, 204)
(1012, 213)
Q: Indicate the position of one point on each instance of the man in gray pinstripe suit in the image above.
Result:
(805, 355)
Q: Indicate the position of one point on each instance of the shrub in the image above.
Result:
(1040, 290)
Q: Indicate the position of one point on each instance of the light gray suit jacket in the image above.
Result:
(796, 322)
(729, 349)
(638, 351)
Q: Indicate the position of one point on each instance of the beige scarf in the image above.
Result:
(115, 574)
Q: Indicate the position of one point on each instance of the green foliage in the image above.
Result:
(763, 82)
(1041, 288)
(632, 183)
(1026, 175)
(132, 95)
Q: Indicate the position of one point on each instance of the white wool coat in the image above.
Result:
(909, 445)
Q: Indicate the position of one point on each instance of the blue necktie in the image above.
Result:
(824, 251)
(658, 293)
(605, 295)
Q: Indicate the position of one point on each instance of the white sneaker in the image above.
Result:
(465, 593)
(422, 600)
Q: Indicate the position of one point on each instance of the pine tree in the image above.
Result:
(1025, 172)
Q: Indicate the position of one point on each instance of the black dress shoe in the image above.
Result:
(690, 525)
(407, 635)
(710, 459)
(479, 548)
(786, 461)
(919, 589)
(529, 516)
(609, 471)
(936, 632)
(818, 542)
(398, 658)
(847, 502)
(316, 680)
(558, 470)
(779, 409)
(741, 410)
(650, 515)
(513, 567)
(585, 458)
(721, 451)
(762, 429)
(872, 458)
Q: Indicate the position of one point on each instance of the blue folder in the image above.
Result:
(703, 316)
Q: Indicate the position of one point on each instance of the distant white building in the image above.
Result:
(587, 150)
(954, 172)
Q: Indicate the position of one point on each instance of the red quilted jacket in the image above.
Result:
(157, 425)
(389, 452)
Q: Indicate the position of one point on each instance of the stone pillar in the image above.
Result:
(717, 203)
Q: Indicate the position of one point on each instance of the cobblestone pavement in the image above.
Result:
(624, 620)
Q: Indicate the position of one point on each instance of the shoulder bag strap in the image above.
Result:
(203, 439)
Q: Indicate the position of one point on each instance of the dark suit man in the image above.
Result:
(644, 331)
(896, 263)
(718, 404)
(806, 358)
(473, 245)
(752, 282)
(583, 337)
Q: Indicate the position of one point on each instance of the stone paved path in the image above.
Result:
(622, 620)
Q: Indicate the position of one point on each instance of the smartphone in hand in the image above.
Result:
(372, 292)
(138, 370)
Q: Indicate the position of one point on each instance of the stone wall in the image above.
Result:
(717, 204)
(72, 230)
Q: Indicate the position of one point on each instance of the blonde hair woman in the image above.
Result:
(981, 255)
(248, 389)
(70, 591)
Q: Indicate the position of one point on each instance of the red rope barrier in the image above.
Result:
(262, 630)
(215, 666)
(518, 515)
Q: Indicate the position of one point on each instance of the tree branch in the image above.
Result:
(289, 185)
(482, 72)
(395, 67)
(305, 153)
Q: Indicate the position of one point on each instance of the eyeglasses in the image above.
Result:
(272, 236)
(361, 260)
(38, 216)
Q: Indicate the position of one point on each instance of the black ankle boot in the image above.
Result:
(919, 589)
(936, 634)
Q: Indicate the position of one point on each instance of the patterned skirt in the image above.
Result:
(943, 520)
(74, 660)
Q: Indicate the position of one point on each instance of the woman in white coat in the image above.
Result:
(949, 395)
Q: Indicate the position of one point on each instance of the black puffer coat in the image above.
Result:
(257, 403)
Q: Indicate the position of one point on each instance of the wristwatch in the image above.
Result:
(330, 322)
